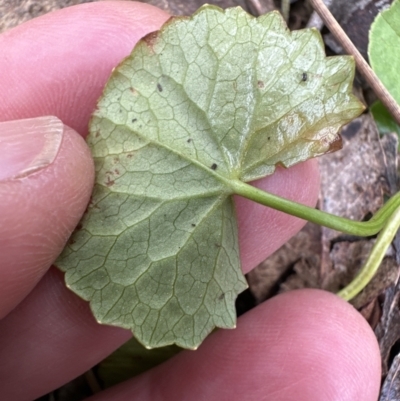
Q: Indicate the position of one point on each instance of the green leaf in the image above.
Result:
(384, 120)
(384, 48)
(207, 101)
(130, 360)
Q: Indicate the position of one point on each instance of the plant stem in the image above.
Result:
(364, 68)
(378, 252)
(362, 229)
(285, 9)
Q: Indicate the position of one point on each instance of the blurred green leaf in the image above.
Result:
(130, 360)
(384, 119)
(205, 102)
(384, 48)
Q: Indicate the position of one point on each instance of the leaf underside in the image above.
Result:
(218, 97)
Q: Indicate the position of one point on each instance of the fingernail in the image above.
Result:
(27, 146)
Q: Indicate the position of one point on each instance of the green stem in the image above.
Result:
(362, 229)
(378, 252)
(285, 9)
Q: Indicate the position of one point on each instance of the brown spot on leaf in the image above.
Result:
(260, 84)
(159, 87)
(214, 166)
(337, 144)
(109, 182)
(151, 39)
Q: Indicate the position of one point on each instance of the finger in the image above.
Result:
(49, 339)
(70, 55)
(46, 177)
(303, 345)
(59, 63)
(304, 342)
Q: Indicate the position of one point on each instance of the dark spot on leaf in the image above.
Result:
(97, 134)
(116, 171)
(134, 120)
(260, 84)
(71, 241)
(189, 140)
(221, 297)
(214, 166)
(304, 77)
(218, 245)
(193, 225)
(129, 155)
(269, 138)
(109, 182)
(159, 87)
(133, 90)
(78, 227)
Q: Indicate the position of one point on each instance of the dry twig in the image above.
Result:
(364, 68)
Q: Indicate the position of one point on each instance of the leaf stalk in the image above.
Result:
(386, 221)
(375, 258)
(358, 228)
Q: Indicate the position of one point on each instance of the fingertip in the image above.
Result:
(40, 210)
(301, 345)
(326, 344)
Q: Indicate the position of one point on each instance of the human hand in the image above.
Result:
(304, 345)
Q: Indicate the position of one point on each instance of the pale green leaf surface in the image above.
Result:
(384, 48)
(208, 100)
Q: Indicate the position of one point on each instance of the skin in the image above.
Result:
(303, 345)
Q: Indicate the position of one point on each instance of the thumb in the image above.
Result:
(46, 178)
